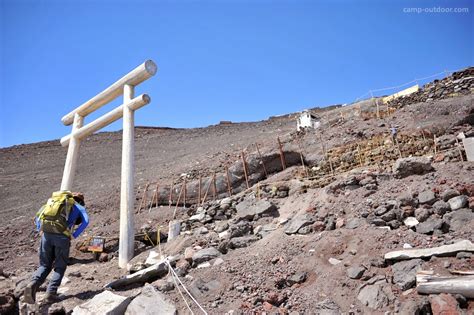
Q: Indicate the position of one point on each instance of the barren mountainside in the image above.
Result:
(270, 219)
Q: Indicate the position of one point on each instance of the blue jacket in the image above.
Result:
(76, 211)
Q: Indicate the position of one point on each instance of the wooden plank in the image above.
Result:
(429, 284)
(142, 276)
(444, 250)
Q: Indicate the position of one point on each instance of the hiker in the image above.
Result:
(56, 221)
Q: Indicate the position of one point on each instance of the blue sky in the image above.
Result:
(218, 60)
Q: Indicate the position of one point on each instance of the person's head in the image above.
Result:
(79, 198)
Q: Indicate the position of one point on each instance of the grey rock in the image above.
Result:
(458, 202)
(381, 210)
(305, 230)
(448, 194)
(240, 229)
(389, 216)
(412, 166)
(422, 214)
(394, 224)
(459, 219)
(441, 207)
(429, 226)
(462, 255)
(367, 180)
(354, 223)
(355, 272)
(375, 296)
(205, 254)
(248, 209)
(298, 277)
(221, 226)
(242, 241)
(297, 222)
(426, 197)
(377, 222)
(103, 303)
(404, 273)
(150, 302)
(164, 285)
(327, 307)
(330, 223)
(407, 199)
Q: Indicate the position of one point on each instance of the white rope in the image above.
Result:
(186, 290)
(179, 290)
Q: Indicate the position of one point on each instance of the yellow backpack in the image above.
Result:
(54, 214)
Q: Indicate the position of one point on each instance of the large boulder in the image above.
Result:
(248, 209)
(412, 166)
(106, 303)
(205, 254)
(150, 302)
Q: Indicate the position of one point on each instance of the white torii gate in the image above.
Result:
(125, 86)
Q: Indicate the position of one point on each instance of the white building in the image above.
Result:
(307, 120)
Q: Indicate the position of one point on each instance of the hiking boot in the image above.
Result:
(51, 297)
(29, 294)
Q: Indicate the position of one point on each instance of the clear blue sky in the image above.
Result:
(218, 60)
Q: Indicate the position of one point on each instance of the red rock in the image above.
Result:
(444, 304)
(438, 158)
(272, 298)
(267, 306)
(318, 226)
(340, 223)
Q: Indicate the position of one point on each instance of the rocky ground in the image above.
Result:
(297, 241)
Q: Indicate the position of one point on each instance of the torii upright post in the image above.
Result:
(126, 191)
(125, 86)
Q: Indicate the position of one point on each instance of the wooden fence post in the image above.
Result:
(244, 164)
(282, 155)
(199, 190)
(229, 187)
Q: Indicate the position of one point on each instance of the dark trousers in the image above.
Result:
(54, 253)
